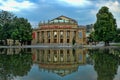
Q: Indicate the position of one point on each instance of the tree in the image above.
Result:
(12, 27)
(22, 30)
(5, 21)
(117, 38)
(105, 26)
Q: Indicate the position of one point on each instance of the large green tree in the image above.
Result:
(105, 26)
(21, 31)
(5, 21)
(12, 27)
(117, 38)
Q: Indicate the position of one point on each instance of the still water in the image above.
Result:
(59, 64)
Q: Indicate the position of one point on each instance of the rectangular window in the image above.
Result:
(55, 40)
(61, 40)
(48, 34)
(68, 41)
(42, 40)
(55, 34)
(68, 34)
(80, 34)
(61, 34)
(42, 34)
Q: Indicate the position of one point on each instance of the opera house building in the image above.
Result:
(61, 30)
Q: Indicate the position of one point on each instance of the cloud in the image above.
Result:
(15, 5)
(114, 7)
(76, 3)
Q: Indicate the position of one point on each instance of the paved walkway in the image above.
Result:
(60, 46)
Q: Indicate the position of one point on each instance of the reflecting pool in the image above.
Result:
(59, 64)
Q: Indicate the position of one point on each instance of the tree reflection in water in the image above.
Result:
(106, 62)
(14, 62)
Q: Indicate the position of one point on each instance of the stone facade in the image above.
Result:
(60, 30)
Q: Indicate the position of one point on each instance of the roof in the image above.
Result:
(63, 19)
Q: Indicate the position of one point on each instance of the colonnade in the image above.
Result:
(56, 36)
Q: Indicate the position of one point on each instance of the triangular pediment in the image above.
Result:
(62, 19)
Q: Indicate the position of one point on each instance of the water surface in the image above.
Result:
(59, 64)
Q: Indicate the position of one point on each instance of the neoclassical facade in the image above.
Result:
(60, 30)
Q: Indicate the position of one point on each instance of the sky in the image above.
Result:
(83, 11)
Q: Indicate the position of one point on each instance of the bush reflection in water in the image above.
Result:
(14, 62)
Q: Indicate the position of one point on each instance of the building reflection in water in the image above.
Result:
(59, 61)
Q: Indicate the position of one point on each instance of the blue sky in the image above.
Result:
(84, 11)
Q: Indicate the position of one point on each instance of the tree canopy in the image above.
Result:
(12, 27)
(117, 38)
(105, 26)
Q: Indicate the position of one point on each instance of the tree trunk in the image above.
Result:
(107, 43)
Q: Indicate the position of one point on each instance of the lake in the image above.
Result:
(59, 64)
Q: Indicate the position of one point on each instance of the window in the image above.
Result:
(42, 34)
(55, 34)
(68, 34)
(61, 34)
(48, 34)
(80, 34)
(38, 34)
(68, 41)
(55, 40)
(61, 40)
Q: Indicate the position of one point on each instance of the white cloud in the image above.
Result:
(76, 3)
(114, 7)
(14, 5)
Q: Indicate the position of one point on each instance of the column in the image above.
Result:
(64, 36)
(51, 36)
(71, 36)
(45, 37)
(58, 37)
(40, 37)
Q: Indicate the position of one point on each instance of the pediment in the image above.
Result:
(62, 19)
